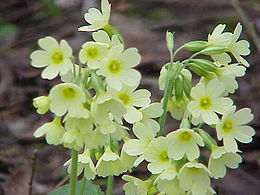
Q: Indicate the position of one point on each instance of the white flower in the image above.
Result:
(218, 37)
(42, 104)
(131, 99)
(239, 48)
(184, 142)
(53, 130)
(68, 97)
(194, 177)
(92, 53)
(208, 101)
(97, 19)
(57, 57)
(156, 155)
(117, 67)
(135, 186)
(137, 147)
(220, 159)
(232, 127)
(102, 37)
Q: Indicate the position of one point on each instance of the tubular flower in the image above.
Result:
(42, 104)
(184, 142)
(170, 187)
(117, 67)
(208, 101)
(232, 127)
(73, 139)
(68, 97)
(220, 159)
(135, 186)
(56, 57)
(97, 19)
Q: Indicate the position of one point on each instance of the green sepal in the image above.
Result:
(206, 64)
(111, 30)
(178, 88)
(214, 50)
(198, 70)
(195, 45)
(207, 139)
(187, 85)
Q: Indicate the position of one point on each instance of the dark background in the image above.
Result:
(143, 24)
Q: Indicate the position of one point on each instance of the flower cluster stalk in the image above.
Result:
(73, 175)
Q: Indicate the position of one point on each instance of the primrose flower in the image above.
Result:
(82, 124)
(68, 97)
(97, 19)
(137, 147)
(117, 67)
(170, 187)
(102, 37)
(73, 139)
(208, 101)
(194, 177)
(42, 104)
(85, 164)
(54, 56)
(92, 53)
(156, 154)
(53, 131)
(184, 142)
(220, 159)
(131, 99)
(232, 127)
(109, 164)
(135, 186)
(239, 48)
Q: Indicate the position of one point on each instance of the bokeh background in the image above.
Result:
(143, 24)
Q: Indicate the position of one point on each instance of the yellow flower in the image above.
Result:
(42, 104)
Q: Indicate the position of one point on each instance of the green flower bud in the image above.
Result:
(42, 104)
(195, 45)
(186, 86)
(111, 30)
(198, 70)
(206, 65)
(208, 140)
(169, 40)
(185, 123)
(178, 88)
(96, 82)
(214, 49)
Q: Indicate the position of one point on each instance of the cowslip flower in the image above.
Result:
(157, 156)
(102, 37)
(239, 48)
(208, 100)
(95, 139)
(84, 125)
(73, 139)
(131, 99)
(137, 147)
(170, 187)
(135, 186)
(85, 164)
(68, 97)
(232, 127)
(56, 57)
(97, 19)
(92, 53)
(220, 159)
(194, 177)
(184, 142)
(42, 104)
(117, 67)
(177, 109)
(54, 131)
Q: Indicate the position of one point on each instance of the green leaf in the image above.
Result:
(90, 189)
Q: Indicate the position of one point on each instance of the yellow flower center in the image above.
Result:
(91, 52)
(185, 136)
(164, 157)
(57, 57)
(227, 126)
(114, 66)
(69, 92)
(124, 98)
(205, 103)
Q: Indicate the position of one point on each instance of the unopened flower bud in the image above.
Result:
(169, 40)
(42, 104)
(208, 140)
(195, 45)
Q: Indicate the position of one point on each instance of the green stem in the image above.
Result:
(82, 185)
(110, 181)
(73, 174)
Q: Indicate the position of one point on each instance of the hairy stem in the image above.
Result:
(73, 174)
(110, 181)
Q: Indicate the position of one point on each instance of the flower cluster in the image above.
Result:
(99, 101)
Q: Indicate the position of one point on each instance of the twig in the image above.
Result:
(247, 23)
(34, 156)
(62, 182)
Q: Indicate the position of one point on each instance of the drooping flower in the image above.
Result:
(157, 155)
(131, 99)
(117, 67)
(135, 186)
(208, 101)
(194, 177)
(232, 127)
(97, 19)
(74, 139)
(56, 57)
(53, 131)
(184, 142)
(84, 125)
(170, 187)
(220, 159)
(42, 104)
(68, 97)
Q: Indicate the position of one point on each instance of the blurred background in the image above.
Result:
(143, 24)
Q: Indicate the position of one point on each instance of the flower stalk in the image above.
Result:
(110, 181)
(73, 175)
